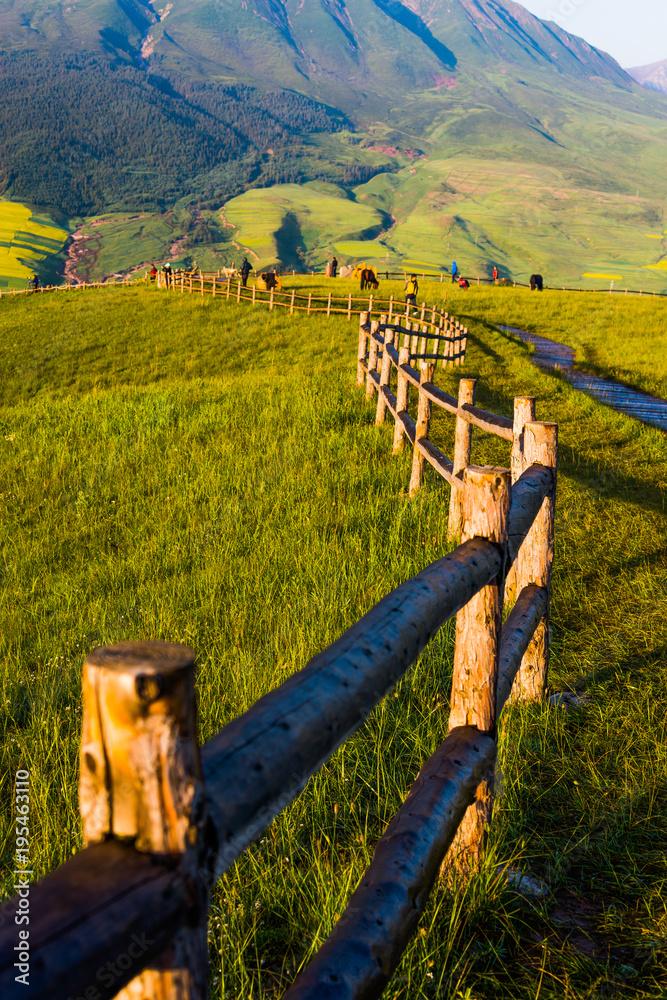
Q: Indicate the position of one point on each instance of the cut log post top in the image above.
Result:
(139, 755)
(141, 781)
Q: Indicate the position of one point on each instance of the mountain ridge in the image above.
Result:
(653, 76)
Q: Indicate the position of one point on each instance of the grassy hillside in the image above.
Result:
(192, 470)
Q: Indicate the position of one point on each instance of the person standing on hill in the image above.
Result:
(495, 273)
(166, 270)
(455, 271)
(245, 271)
(334, 267)
(411, 291)
(153, 272)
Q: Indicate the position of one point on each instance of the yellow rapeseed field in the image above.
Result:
(24, 240)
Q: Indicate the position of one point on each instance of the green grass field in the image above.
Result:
(205, 472)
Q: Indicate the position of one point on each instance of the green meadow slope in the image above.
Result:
(199, 471)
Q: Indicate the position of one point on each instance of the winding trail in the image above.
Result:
(550, 355)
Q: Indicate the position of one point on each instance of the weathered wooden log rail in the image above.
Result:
(162, 822)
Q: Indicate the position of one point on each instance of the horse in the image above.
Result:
(368, 279)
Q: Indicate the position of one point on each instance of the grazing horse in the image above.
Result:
(536, 282)
(368, 279)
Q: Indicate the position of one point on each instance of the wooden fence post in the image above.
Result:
(524, 413)
(361, 352)
(534, 561)
(349, 306)
(373, 351)
(385, 375)
(424, 410)
(254, 294)
(229, 287)
(402, 399)
(310, 299)
(486, 504)
(271, 300)
(391, 307)
(201, 281)
(464, 346)
(291, 305)
(139, 771)
(329, 305)
(238, 292)
(462, 448)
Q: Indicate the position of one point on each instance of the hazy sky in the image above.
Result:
(634, 33)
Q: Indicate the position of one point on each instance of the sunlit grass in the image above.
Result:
(198, 471)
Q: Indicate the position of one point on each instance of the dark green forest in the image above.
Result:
(83, 135)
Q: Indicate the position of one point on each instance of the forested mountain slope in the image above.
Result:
(466, 123)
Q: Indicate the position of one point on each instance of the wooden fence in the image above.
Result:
(162, 821)
(71, 287)
(203, 283)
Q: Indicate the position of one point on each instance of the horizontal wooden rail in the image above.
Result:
(438, 460)
(502, 427)
(528, 494)
(381, 916)
(518, 631)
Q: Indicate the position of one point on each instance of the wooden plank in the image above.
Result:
(489, 422)
(534, 560)
(524, 412)
(408, 426)
(383, 913)
(411, 374)
(402, 400)
(361, 350)
(438, 460)
(109, 900)
(424, 410)
(528, 495)
(389, 398)
(516, 637)
(385, 374)
(441, 399)
(462, 453)
(393, 354)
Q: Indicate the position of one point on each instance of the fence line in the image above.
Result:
(377, 350)
(70, 287)
(204, 283)
(163, 821)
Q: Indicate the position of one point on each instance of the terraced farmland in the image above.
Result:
(28, 243)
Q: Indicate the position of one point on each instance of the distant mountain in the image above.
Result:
(468, 126)
(654, 76)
